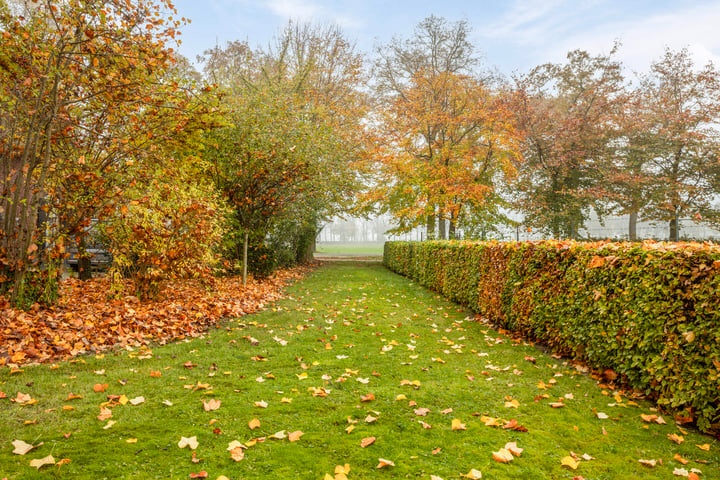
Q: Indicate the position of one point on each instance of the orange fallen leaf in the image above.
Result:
(105, 413)
(295, 436)
(237, 454)
(367, 398)
(200, 474)
(513, 448)
(72, 396)
(367, 441)
(680, 459)
(155, 373)
(100, 387)
(473, 474)
(211, 405)
(421, 412)
(254, 423)
(385, 463)
(676, 438)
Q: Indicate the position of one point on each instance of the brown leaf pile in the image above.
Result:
(87, 320)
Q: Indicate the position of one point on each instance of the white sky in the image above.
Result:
(514, 35)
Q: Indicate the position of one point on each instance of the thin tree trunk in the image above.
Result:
(632, 227)
(245, 258)
(441, 227)
(84, 263)
(430, 227)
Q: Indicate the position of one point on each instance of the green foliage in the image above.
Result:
(38, 286)
(650, 312)
(261, 261)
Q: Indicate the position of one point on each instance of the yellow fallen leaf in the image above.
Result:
(123, 400)
(295, 436)
(254, 423)
(278, 435)
(343, 469)
(131, 440)
(473, 474)
(350, 428)
(286, 400)
(400, 397)
(512, 403)
(385, 463)
(109, 424)
(68, 407)
(704, 446)
(39, 462)
(458, 425)
(503, 456)
(569, 462)
(676, 438)
(188, 442)
(21, 448)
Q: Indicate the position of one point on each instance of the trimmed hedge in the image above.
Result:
(650, 311)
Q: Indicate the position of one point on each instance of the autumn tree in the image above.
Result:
(680, 110)
(444, 135)
(82, 81)
(292, 130)
(568, 118)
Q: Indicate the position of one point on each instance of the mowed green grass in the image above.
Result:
(350, 248)
(347, 331)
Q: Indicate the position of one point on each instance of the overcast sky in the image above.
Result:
(513, 35)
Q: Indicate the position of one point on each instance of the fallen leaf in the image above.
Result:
(261, 404)
(680, 459)
(109, 424)
(237, 454)
(367, 441)
(502, 456)
(100, 387)
(367, 398)
(105, 413)
(295, 436)
(704, 446)
(278, 435)
(385, 463)
(648, 463)
(512, 403)
(421, 412)
(676, 438)
(254, 423)
(156, 373)
(513, 448)
(211, 405)
(21, 448)
(39, 462)
(137, 401)
(131, 440)
(569, 462)
(188, 442)
(200, 474)
(473, 474)
(602, 416)
(458, 425)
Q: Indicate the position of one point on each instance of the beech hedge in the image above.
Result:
(650, 312)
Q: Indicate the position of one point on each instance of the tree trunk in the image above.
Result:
(451, 230)
(84, 263)
(245, 249)
(673, 237)
(632, 227)
(430, 227)
(441, 228)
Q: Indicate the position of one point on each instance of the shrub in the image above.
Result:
(650, 312)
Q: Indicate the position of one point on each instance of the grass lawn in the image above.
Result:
(350, 248)
(354, 352)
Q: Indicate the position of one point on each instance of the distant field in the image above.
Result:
(350, 248)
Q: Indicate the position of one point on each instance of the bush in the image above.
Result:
(261, 261)
(650, 312)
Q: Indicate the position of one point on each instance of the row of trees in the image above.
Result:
(106, 132)
(459, 146)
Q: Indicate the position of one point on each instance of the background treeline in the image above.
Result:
(108, 135)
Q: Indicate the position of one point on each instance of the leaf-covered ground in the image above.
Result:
(89, 319)
(358, 374)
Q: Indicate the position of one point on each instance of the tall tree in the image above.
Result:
(681, 109)
(56, 62)
(568, 116)
(444, 131)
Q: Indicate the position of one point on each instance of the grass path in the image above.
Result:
(354, 352)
